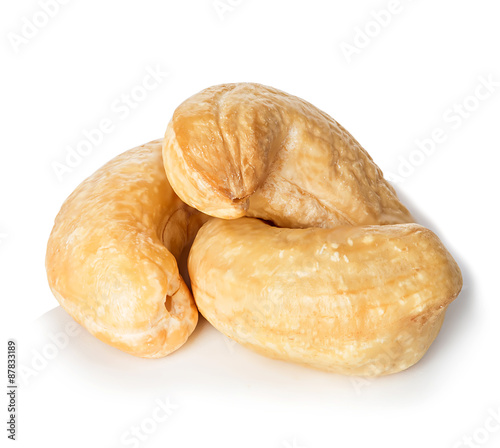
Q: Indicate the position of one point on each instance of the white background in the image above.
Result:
(407, 82)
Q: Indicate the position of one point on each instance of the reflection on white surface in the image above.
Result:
(129, 401)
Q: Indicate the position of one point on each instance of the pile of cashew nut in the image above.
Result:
(264, 214)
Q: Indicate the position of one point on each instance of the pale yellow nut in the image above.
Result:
(112, 255)
(352, 300)
(246, 149)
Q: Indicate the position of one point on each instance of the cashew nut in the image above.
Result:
(112, 256)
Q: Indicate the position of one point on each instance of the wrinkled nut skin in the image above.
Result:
(112, 256)
(362, 301)
(246, 149)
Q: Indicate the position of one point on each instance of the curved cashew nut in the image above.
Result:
(249, 150)
(352, 300)
(111, 256)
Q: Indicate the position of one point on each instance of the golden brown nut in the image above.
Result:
(244, 149)
(352, 300)
(111, 256)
